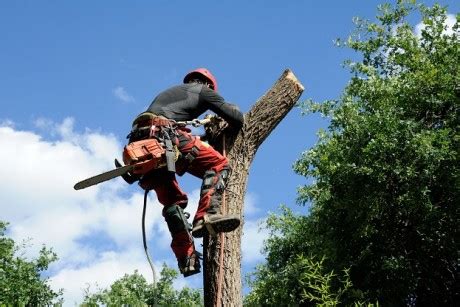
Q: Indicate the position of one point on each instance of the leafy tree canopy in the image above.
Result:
(384, 202)
(20, 279)
(133, 290)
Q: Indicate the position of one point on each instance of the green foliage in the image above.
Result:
(289, 277)
(384, 202)
(133, 290)
(20, 280)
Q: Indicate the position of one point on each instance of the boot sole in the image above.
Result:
(225, 224)
(191, 272)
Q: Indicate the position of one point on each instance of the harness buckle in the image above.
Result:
(190, 156)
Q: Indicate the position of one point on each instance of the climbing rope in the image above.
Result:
(197, 123)
(145, 240)
(222, 244)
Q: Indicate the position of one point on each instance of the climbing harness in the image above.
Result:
(158, 130)
(151, 147)
(145, 156)
(138, 154)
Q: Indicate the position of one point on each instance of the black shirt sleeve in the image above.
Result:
(228, 111)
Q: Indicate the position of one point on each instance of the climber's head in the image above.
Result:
(202, 76)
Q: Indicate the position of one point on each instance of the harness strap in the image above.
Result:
(222, 242)
(147, 125)
(147, 119)
(170, 156)
(190, 156)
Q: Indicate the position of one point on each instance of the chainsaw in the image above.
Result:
(140, 157)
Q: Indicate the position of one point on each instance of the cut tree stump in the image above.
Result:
(240, 149)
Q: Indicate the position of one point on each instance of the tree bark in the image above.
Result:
(240, 149)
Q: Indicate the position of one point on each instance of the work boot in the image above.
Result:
(215, 223)
(190, 265)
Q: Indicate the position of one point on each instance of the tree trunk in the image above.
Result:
(264, 116)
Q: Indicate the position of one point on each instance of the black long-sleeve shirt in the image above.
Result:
(188, 101)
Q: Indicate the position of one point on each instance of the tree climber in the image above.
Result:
(187, 102)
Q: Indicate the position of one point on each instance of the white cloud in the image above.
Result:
(43, 123)
(254, 232)
(83, 227)
(250, 207)
(102, 272)
(252, 242)
(39, 174)
(120, 93)
(450, 22)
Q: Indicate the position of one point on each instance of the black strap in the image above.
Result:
(165, 137)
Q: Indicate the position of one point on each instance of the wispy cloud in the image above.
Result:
(253, 239)
(250, 201)
(6, 123)
(120, 93)
(43, 123)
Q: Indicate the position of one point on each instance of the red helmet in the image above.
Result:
(202, 73)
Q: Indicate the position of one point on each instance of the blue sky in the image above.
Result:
(75, 73)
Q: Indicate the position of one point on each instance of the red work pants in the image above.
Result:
(169, 193)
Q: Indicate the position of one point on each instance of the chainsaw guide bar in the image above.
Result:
(103, 177)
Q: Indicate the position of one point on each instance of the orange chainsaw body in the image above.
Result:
(145, 155)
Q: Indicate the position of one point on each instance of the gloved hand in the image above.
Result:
(214, 119)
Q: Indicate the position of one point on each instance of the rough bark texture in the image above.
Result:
(264, 116)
